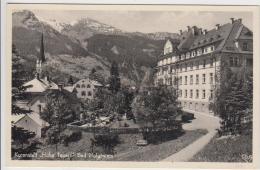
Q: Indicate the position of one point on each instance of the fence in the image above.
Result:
(124, 130)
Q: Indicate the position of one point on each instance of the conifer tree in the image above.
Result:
(70, 81)
(20, 136)
(114, 81)
(232, 98)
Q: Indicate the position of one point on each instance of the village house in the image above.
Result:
(191, 66)
(31, 122)
(38, 85)
(86, 88)
(38, 103)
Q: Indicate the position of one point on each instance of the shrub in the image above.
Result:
(73, 137)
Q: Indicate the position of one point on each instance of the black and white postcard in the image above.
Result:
(131, 85)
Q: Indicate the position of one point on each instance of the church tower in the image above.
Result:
(40, 59)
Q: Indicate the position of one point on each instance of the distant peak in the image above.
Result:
(25, 13)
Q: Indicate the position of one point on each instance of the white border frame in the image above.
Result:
(3, 47)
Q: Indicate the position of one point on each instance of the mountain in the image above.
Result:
(59, 26)
(85, 28)
(75, 48)
(64, 57)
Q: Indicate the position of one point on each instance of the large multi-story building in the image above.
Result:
(192, 64)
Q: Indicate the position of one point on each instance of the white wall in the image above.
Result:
(29, 124)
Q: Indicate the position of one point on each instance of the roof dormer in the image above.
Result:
(168, 47)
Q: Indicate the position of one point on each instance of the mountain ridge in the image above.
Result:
(67, 54)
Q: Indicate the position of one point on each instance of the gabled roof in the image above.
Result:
(223, 37)
(70, 88)
(39, 85)
(244, 33)
(16, 118)
(96, 83)
(34, 116)
(212, 36)
(93, 82)
(71, 97)
(187, 39)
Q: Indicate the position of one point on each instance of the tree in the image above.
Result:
(20, 136)
(107, 103)
(97, 76)
(22, 141)
(18, 73)
(114, 81)
(58, 110)
(18, 78)
(157, 106)
(70, 81)
(233, 97)
(93, 71)
(128, 99)
(58, 113)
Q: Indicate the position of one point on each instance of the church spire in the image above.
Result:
(42, 55)
(40, 58)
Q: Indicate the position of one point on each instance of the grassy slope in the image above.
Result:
(127, 150)
(157, 152)
(228, 149)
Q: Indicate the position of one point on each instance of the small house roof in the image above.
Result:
(93, 82)
(71, 97)
(16, 118)
(69, 88)
(39, 85)
(34, 116)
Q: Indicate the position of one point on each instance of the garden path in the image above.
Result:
(201, 121)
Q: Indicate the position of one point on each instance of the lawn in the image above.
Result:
(81, 147)
(125, 150)
(157, 152)
(226, 149)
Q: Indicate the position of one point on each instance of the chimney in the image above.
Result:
(240, 20)
(232, 20)
(200, 31)
(205, 32)
(47, 78)
(181, 32)
(60, 87)
(217, 26)
(37, 76)
(195, 30)
(188, 28)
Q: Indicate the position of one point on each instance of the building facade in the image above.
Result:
(192, 65)
(38, 103)
(85, 88)
(31, 122)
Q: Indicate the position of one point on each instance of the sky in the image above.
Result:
(149, 21)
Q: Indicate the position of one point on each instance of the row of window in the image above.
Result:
(197, 78)
(234, 61)
(192, 78)
(195, 65)
(82, 86)
(197, 94)
(187, 55)
(83, 93)
(186, 67)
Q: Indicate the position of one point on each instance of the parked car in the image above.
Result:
(187, 116)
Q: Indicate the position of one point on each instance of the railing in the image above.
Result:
(124, 130)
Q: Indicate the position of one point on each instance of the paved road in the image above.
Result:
(202, 121)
